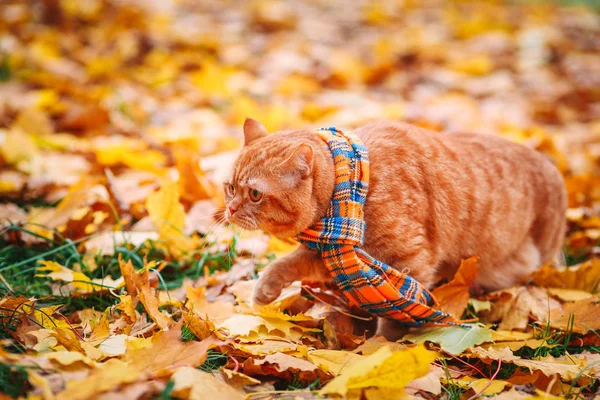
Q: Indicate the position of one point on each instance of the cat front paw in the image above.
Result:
(265, 293)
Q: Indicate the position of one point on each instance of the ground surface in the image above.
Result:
(118, 120)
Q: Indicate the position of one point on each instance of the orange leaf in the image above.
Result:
(138, 287)
(167, 352)
(454, 295)
(108, 376)
(193, 184)
(585, 315)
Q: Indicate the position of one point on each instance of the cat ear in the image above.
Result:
(300, 162)
(253, 130)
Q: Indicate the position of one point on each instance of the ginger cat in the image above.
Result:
(434, 199)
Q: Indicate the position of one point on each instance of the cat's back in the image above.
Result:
(458, 194)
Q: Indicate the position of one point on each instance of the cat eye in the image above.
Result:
(231, 189)
(255, 195)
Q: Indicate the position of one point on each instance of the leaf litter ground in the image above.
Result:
(118, 121)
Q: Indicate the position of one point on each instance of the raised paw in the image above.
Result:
(266, 292)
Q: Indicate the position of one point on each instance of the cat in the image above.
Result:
(434, 199)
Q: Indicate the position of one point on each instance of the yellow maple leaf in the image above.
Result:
(333, 361)
(18, 148)
(81, 282)
(44, 317)
(383, 369)
(167, 214)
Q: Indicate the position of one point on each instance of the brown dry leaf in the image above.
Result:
(253, 326)
(165, 351)
(148, 297)
(286, 362)
(133, 279)
(200, 327)
(138, 287)
(454, 295)
(567, 368)
(70, 358)
(193, 184)
(374, 343)
(569, 294)
(107, 376)
(514, 306)
(267, 346)
(333, 361)
(585, 276)
(428, 383)
(217, 311)
(136, 390)
(584, 315)
(126, 306)
(237, 379)
(199, 385)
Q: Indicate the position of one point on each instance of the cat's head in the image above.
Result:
(271, 186)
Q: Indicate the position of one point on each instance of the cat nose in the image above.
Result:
(231, 210)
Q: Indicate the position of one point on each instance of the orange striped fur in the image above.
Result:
(434, 199)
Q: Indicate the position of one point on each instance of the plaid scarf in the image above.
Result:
(366, 282)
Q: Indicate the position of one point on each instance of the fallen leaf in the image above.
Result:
(549, 366)
(454, 295)
(107, 376)
(585, 276)
(165, 351)
(251, 325)
(383, 369)
(200, 385)
(200, 327)
(81, 283)
(286, 362)
(482, 386)
(514, 306)
(581, 316)
(69, 358)
(193, 184)
(429, 383)
(168, 216)
(237, 379)
(569, 294)
(267, 346)
(138, 287)
(373, 344)
(453, 339)
(217, 311)
(333, 361)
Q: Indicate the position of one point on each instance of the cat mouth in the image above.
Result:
(243, 223)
